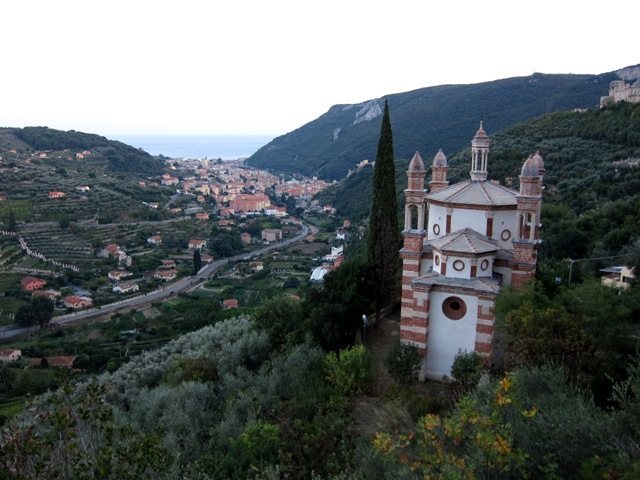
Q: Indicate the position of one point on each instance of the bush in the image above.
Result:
(403, 363)
(350, 371)
(467, 369)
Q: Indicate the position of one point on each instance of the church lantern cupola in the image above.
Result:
(479, 155)
(439, 170)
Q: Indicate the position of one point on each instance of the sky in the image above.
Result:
(269, 66)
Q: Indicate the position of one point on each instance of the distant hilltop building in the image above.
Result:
(621, 91)
(478, 236)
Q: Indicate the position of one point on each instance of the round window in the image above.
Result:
(458, 265)
(436, 229)
(485, 264)
(454, 308)
(505, 235)
(436, 260)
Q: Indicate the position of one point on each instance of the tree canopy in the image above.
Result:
(383, 240)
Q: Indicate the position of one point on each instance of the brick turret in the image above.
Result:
(439, 170)
(527, 237)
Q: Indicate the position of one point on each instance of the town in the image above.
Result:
(209, 210)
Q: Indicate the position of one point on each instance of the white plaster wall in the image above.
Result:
(474, 219)
(426, 266)
(437, 267)
(489, 271)
(437, 214)
(453, 273)
(446, 336)
(504, 220)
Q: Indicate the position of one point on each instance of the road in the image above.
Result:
(168, 291)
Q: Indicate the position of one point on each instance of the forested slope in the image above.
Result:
(592, 182)
(425, 119)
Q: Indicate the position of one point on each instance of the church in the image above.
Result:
(477, 236)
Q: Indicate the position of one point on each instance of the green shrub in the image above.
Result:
(350, 371)
(403, 363)
(467, 369)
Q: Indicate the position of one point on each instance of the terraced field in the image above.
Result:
(114, 197)
(61, 245)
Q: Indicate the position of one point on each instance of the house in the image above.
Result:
(256, 266)
(50, 294)
(113, 250)
(165, 275)
(245, 238)
(620, 91)
(124, 260)
(226, 212)
(271, 235)
(169, 180)
(478, 238)
(168, 264)
(226, 224)
(126, 288)
(154, 240)
(206, 258)
(118, 275)
(3, 197)
(319, 273)
(274, 211)
(197, 244)
(56, 194)
(202, 216)
(249, 203)
(75, 302)
(329, 209)
(83, 188)
(620, 277)
(9, 355)
(61, 361)
(29, 284)
(230, 303)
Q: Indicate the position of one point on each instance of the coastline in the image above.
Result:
(226, 147)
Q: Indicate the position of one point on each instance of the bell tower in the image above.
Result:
(412, 328)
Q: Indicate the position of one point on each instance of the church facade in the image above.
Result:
(462, 244)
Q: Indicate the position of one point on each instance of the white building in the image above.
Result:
(477, 236)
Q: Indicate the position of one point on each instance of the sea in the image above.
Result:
(226, 147)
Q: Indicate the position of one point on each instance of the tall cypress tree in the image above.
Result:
(197, 261)
(383, 244)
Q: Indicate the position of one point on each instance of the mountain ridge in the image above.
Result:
(426, 119)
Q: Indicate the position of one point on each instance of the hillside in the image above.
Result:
(37, 160)
(592, 159)
(117, 156)
(425, 119)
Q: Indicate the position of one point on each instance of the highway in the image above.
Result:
(164, 293)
